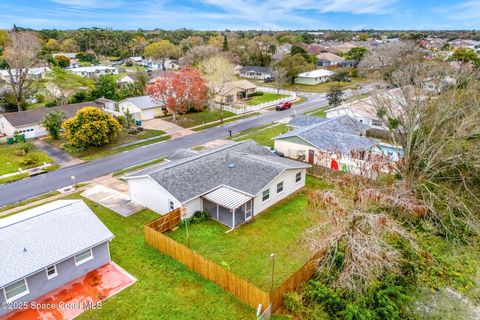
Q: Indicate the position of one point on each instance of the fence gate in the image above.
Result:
(266, 314)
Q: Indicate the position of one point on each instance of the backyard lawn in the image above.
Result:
(119, 145)
(193, 119)
(11, 162)
(265, 97)
(262, 135)
(246, 250)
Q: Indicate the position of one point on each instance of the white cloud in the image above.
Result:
(93, 4)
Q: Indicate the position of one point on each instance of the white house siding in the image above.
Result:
(310, 81)
(150, 194)
(289, 187)
(5, 127)
(293, 149)
(139, 114)
(192, 206)
(148, 114)
(369, 121)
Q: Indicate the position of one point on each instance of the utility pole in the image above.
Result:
(272, 257)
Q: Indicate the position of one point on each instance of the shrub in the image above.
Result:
(20, 152)
(28, 160)
(25, 148)
(256, 93)
(198, 216)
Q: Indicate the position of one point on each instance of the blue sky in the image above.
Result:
(242, 14)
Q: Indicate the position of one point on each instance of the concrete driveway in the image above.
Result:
(112, 199)
(58, 155)
(168, 127)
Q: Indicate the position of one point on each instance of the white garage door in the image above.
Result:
(148, 114)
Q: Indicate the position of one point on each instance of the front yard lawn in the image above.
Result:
(116, 146)
(265, 97)
(246, 250)
(11, 162)
(165, 289)
(193, 119)
(262, 135)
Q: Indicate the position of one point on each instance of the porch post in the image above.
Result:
(233, 214)
(217, 212)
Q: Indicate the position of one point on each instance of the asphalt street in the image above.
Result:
(34, 186)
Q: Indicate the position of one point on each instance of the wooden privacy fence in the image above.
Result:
(239, 287)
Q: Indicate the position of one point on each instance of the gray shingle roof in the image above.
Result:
(305, 121)
(39, 237)
(244, 166)
(256, 69)
(144, 102)
(341, 134)
(35, 116)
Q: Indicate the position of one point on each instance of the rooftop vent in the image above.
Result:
(231, 165)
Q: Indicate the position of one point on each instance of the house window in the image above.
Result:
(298, 177)
(266, 195)
(279, 187)
(171, 206)
(377, 123)
(16, 290)
(83, 257)
(52, 272)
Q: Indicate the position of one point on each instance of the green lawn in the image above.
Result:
(265, 97)
(246, 250)
(9, 162)
(137, 167)
(116, 146)
(262, 135)
(231, 119)
(322, 87)
(193, 119)
(165, 289)
(320, 112)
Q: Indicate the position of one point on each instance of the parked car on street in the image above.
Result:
(283, 106)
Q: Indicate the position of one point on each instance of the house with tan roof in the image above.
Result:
(235, 91)
(327, 59)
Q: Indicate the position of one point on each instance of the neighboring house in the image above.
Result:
(152, 64)
(314, 77)
(94, 71)
(135, 60)
(327, 59)
(30, 122)
(233, 183)
(365, 110)
(235, 91)
(33, 74)
(142, 108)
(347, 64)
(281, 51)
(47, 247)
(132, 78)
(71, 56)
(334, 143)
(254, 72)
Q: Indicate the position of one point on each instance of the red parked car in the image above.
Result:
(283, 106)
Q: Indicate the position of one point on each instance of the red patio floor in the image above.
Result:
(72, 299)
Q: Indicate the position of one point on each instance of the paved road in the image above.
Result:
(34, 186)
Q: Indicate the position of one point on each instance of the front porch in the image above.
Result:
(228, 206)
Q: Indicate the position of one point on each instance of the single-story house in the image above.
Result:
(142, 108)
(314, 77)
(338, 143)
(153, 64)
(132, 78)
(94, 71)
(47, 247)
(30, 122)
(233, 182)
(136, 60)
(327, 59)
(70, 55)
(254, 72)
(347, 63)
(234, 91)
(33, 74)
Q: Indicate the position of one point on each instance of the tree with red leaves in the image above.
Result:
(179, 91)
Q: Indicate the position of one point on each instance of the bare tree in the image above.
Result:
(197, 54)
(281, 76)
(20, 55)
(218, 71)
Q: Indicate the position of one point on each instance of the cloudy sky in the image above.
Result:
(242, 14)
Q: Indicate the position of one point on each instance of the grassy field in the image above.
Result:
(322, 87)
(165, 289)
(11, 162)
(231, 119)
(265, 97)
(246, 250)
(116, 146)
(262, 135)
(193, 119)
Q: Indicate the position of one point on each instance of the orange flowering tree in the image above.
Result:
(179, 91)
(91, 127)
